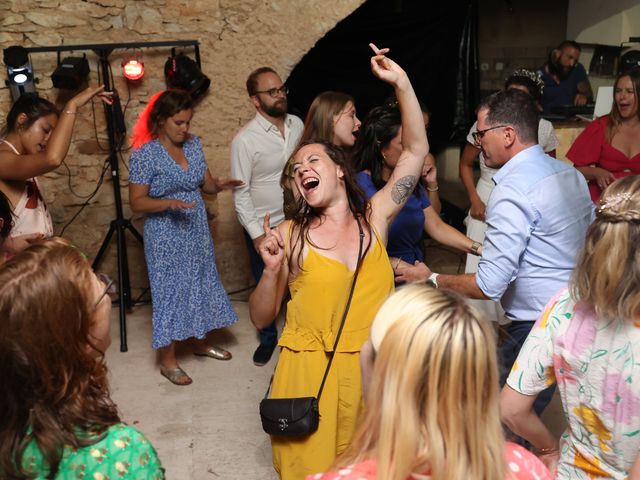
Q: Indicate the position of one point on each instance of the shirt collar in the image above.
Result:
(267, 125)
(517, 159)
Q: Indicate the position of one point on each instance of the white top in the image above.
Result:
(546, 139)
(258, 155)
(30, 214)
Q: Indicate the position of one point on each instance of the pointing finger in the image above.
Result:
(266, 225)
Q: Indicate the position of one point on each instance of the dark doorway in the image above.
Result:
(435, 42)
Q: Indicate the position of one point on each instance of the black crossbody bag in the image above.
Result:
(299, 417)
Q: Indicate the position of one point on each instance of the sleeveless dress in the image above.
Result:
(318, 297)
(31, 212)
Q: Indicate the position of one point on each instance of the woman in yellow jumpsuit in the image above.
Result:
(315, 255)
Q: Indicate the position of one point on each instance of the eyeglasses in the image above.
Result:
(274, 92)
(477, 136)
(108, 283)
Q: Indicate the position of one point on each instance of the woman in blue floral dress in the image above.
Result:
(167, 173)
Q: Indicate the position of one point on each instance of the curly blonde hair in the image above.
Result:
(607, 274)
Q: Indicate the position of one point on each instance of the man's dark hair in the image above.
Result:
(569, 43)
(515, 108)
(252, 81)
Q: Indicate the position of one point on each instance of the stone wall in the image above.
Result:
(235, 37)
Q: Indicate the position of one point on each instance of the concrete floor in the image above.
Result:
(211, 428)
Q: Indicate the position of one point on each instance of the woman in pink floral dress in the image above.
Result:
(588, 341)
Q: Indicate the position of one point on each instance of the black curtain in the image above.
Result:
(435, 42)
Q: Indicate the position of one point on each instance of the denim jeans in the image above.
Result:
(268, 334)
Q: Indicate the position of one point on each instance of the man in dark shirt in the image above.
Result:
(565, 80)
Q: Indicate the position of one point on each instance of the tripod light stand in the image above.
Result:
(115, 126)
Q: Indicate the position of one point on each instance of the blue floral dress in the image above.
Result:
(187, 295)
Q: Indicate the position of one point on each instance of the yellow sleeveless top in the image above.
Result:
(319, 295)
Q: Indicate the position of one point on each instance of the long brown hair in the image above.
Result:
(615, 118)
(319, 121)
(432, 406)
(607, 273)
(53, 386)
(302, 214)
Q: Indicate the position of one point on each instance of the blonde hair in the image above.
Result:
(432, 407)
(607, 275)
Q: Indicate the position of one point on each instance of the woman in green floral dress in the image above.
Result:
(58, 420)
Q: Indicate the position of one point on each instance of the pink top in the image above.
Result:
(521, 465)
(591, 148)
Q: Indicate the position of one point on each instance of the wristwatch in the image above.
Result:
(433, 280)
(474, 247)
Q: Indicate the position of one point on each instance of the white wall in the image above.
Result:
(607, 22)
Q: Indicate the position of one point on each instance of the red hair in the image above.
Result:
(141, 132)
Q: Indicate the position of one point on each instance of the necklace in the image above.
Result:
(11, 146)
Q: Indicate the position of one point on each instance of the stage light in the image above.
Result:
(132, 68)
(19, 71)
(182, 72)
(71, 73)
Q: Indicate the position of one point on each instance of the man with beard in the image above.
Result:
(565, 80)
(537, 217)
(259, 152)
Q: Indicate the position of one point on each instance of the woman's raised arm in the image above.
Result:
(387, 202)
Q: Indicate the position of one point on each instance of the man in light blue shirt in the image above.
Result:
(537, 217)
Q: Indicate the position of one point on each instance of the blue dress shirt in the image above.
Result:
(537, 218)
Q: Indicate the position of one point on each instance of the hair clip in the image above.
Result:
(614, 200)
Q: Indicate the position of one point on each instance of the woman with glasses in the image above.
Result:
(315, 255)
(58, 419)
(431, 410)
(35, 140)
(529, 82)
(167, 174)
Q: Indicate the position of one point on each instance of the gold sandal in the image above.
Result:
(214, 352)
(177, 376)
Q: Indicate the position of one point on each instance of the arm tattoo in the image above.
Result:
(403, 188)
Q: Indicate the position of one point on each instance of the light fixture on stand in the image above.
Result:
(182, 72)
(71, 73)
(19, 71)
(132, 68)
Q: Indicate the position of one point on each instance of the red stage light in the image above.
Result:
(132, 69)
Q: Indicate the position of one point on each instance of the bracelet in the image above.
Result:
(433, 279)
(433, 189)
(397, 263)
(69, 112)
(548, 450)
(475, 246)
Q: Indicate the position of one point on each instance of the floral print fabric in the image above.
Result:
(595, 362)
(124, 453)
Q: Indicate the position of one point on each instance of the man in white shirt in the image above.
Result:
(259, 153)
